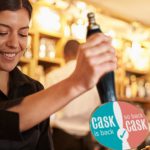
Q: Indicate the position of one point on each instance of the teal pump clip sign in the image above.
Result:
(119, 125)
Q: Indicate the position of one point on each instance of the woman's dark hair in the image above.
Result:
(14, 5)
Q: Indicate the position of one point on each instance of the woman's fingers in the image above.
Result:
(100, 59)
(96, 39)
(95, 58)
(99, 49)
(105, 68)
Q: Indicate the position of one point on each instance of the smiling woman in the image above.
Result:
(24, 111)
(13, 37)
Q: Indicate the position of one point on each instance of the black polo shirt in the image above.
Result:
(37, 138)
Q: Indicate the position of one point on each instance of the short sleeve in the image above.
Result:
(9, 126)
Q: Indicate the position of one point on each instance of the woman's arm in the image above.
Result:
(95, 58)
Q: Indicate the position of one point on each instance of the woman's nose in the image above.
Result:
(13, 41)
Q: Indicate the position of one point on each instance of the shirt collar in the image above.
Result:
(17, 78)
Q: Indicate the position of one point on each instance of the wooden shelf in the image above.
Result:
(50, 34)
(24, 61)
(48, 62)
(136, 99)
(139, 72)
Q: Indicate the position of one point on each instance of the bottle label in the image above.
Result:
(119, 125)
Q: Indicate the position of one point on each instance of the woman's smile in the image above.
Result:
(8, 56)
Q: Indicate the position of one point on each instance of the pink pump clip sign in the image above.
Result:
(119, 125)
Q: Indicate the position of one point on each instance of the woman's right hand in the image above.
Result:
(95, 58)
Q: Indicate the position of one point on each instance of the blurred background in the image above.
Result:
(54, 22)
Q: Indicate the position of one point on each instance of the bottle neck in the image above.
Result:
(93, 26)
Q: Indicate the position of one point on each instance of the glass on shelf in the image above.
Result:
(147, 89)
(128, 93)
(134, 86)
(42, 48)
(137, 57)
(47, 48)
(50, 49)
(28, 52)
(141, 88)
(78, 30)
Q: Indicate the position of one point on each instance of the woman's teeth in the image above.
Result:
(9, 54)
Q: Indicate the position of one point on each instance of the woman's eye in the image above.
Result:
(3, 33)
(23, 35)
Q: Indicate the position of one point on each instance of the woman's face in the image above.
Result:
(14, 27)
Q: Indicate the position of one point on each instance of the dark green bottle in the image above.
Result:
(106, 86)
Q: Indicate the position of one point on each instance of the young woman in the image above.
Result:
(24, 106)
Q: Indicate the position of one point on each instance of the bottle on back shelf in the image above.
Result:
(106, 86)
